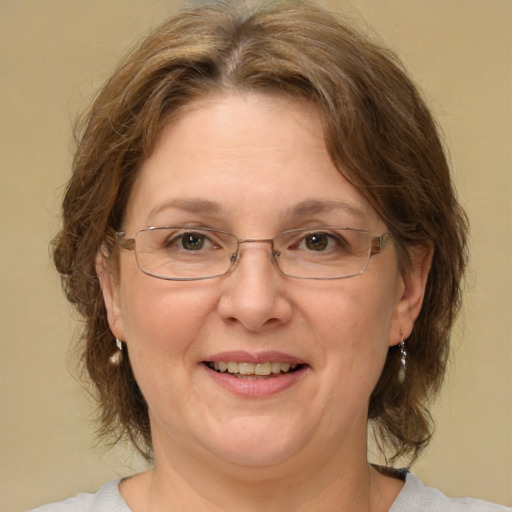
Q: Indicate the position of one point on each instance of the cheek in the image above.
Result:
(351, 314)
(162, 317)
(351, 328)
(164, 326)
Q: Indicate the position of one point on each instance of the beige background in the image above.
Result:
(54, 54)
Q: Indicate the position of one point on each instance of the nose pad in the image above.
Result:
(234, 258)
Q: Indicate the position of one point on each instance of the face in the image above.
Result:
(255, 165)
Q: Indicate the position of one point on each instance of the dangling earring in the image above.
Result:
(403, 360)
(117, 356)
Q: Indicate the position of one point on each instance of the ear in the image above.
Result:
(109, 288)
(411, 292)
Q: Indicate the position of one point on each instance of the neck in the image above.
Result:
(341, 480)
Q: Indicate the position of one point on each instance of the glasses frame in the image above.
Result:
(377, 245)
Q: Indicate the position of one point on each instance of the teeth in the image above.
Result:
(260, 369)
(263, 369)
(276, 367)
(246, 368)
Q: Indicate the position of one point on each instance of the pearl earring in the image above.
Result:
(117, 356)
(403, 360)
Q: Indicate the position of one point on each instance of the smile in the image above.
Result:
(252, 370)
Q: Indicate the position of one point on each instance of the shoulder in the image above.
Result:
(415, 497)
(107, 499)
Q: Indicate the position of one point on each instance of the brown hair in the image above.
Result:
(377, 130)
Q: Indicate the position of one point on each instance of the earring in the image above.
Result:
(403, 360)
(117, 356)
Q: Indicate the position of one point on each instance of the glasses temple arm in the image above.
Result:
(125, 243)
(379, 243)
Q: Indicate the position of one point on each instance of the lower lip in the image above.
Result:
(256, 388)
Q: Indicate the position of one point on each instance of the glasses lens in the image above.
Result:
(323, 253)
(182, 253)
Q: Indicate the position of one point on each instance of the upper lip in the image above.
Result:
(242, 356)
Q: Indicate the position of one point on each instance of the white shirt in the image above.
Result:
(414, 497)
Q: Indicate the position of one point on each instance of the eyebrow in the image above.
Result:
(302, 209)
(314, 206)
(192, 205)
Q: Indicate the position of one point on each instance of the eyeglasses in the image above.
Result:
(185, 253)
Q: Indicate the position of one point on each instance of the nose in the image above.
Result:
(254, 292)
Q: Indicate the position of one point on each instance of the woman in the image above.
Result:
(263, 238)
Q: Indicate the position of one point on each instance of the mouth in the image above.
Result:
(256, 371)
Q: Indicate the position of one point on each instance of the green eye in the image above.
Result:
(317, 241)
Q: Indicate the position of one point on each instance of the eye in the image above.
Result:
(327, 243)
(317, 241)
(192, 241)
(189, 241)
(321, 241)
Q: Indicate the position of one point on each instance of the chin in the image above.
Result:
(253, 442)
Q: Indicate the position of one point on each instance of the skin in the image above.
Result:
(256, 157)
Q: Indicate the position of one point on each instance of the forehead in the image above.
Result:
(243, 155)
